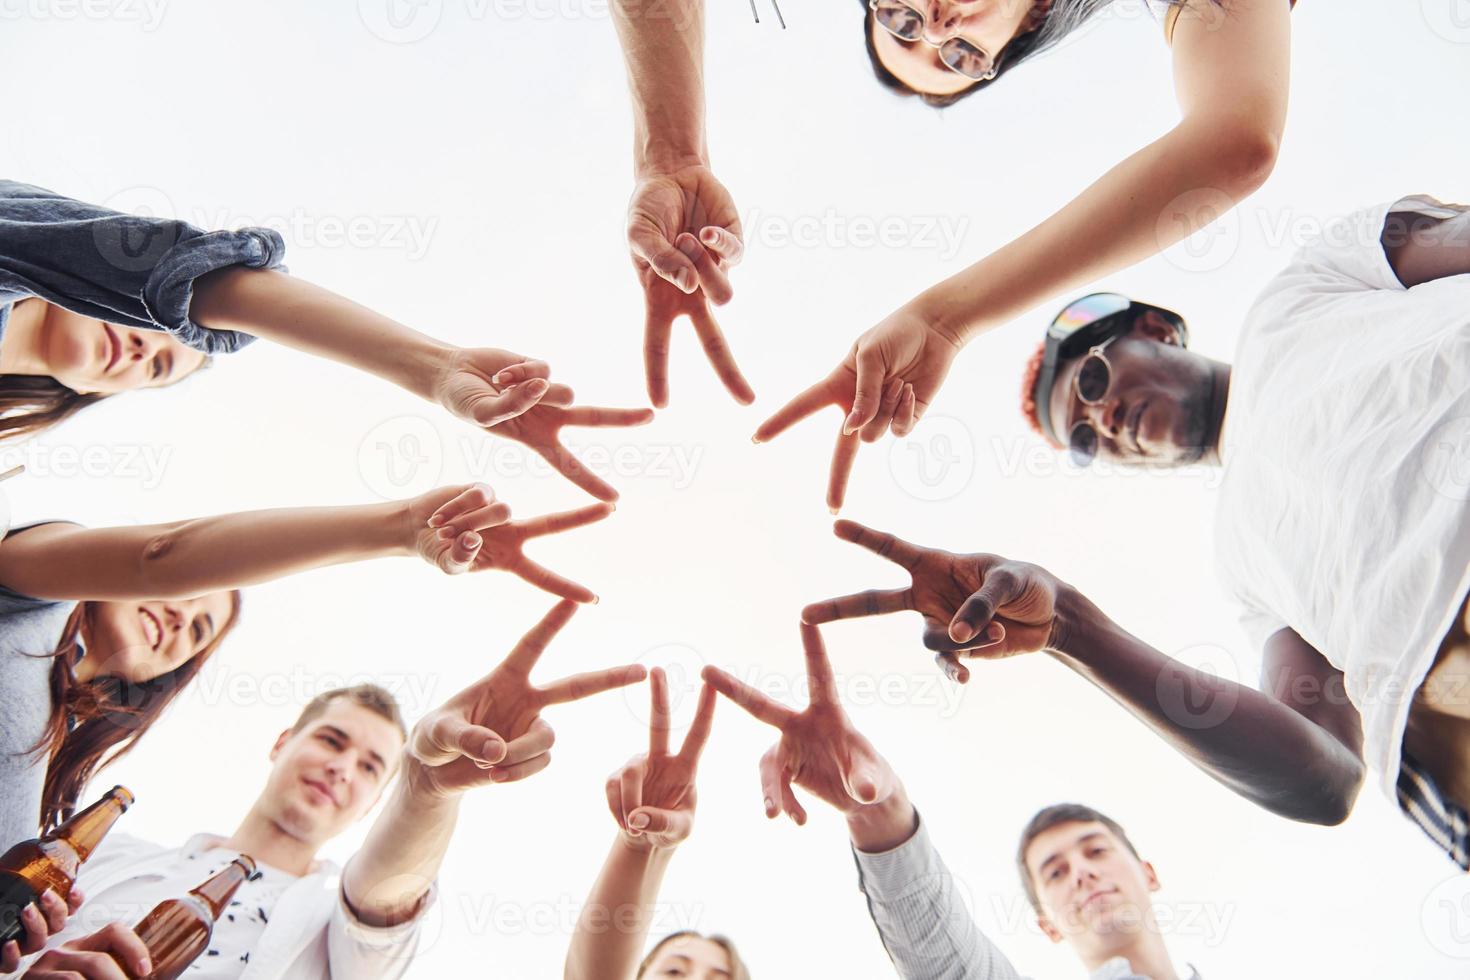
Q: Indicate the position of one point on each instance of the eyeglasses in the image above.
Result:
(906, 23)
(1091, 383)
(757, 15)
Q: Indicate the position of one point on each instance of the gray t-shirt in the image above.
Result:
(29, 631)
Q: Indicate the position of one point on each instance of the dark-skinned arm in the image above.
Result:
(1300, 760)
(1422, 248)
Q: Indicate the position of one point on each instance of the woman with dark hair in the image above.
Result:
(1231, 70)
(101, 628)
(94, 303)
(652, 800)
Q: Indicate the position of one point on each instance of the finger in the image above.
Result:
(725, 244)
(580, 686)
(597, 417)
(998, 587)
(667, 261)
(449, 735)
(903, 417)
(36, 929)
(548, 581)
(712, 339)
(536, 740)
(712, 278)
(519, 771)
(699, 729)
(558, 395)
(657, 328)
(868, 390)
(842, 459)
(770, 770)
(565, 520)
(119, 941)
(523, 655)
(521, 371)
(864, 776)
(471, 498)
(815, 398)
(819, 674)
(54, 911)
(490, 408)
(874, 430)
(790, 803)
(881, 543)
(632, 792)
(614, 791)
(658, 714)
(568, 465)
(456, 559)
(10, 957)
(674, 824)
(757, 704)
(490, 516)
(74, 964)
(952, 667)
(75, 900)
(873, 602)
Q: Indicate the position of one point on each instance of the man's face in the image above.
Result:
(330, 773)
(1157, 409)
(1094, 891)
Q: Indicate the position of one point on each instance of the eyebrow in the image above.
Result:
(1057, 855)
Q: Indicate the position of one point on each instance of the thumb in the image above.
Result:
(868, 391)
(999, 587)
(456, 559)
(667, 261)
(652, 820)
(490, 408)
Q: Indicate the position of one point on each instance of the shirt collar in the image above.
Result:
(1118, 968)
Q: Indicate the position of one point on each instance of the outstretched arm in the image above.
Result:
(663, 47)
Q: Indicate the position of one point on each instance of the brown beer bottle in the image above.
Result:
(52, 860)
(178, 930)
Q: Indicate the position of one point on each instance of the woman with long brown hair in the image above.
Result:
(101, 628)
(94, 303)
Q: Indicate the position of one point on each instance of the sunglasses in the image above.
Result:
(1091, 384)
(907, 24)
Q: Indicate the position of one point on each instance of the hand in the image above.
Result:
(973, 605)
(485, 386)
(41, 921)
(113, 952)
(684, 232)
(492, 731)
(539, 428)
(652, 797)
(888, 380)
(819, 749)
(464, 533)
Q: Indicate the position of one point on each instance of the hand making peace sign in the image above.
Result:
(973, 605)
(652, 797)
(819, 750)
(492, 731)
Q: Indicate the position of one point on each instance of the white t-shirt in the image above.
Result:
(1344, 506)
(277, 926)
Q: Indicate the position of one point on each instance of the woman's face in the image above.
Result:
(138, 641)
(987, 24)
(690, 958)
(93, 357)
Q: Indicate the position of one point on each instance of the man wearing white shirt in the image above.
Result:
(301, 918)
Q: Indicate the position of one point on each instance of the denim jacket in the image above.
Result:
(122, 268)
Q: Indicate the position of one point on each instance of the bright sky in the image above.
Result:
(463, 165)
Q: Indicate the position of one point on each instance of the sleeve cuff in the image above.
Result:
(383, 937)
(170, 287)
(888, 875)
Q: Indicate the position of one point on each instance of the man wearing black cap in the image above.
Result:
(1343, 529)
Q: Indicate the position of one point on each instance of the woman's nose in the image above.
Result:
(940, 21)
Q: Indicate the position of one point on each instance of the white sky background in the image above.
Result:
(501, 138)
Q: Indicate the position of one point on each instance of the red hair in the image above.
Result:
(1028, 394)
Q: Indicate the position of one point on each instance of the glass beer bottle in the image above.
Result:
(178, 930)
(51, 861)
